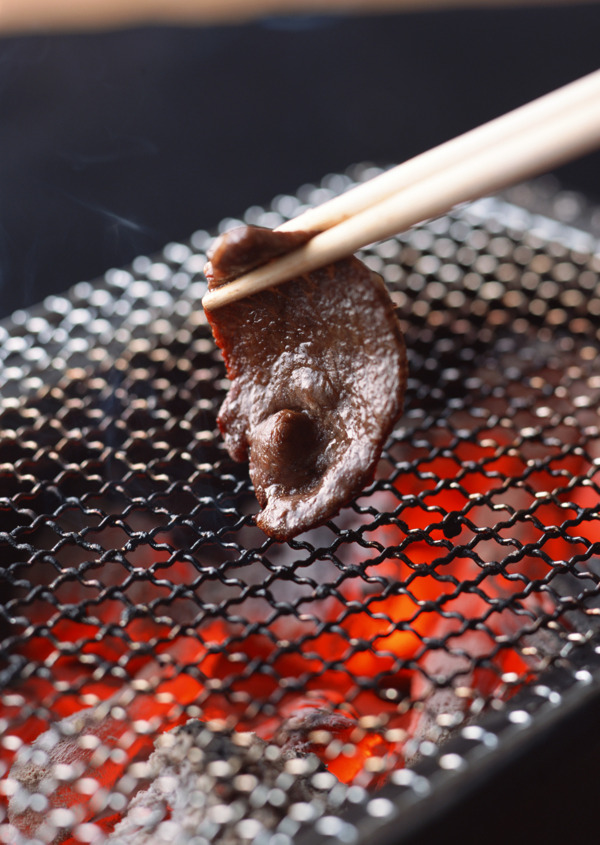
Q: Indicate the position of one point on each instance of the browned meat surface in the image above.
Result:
(318, 371)
(246, 247)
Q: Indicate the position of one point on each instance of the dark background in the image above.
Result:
(114, 143)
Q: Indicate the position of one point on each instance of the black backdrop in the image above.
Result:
(113, 144)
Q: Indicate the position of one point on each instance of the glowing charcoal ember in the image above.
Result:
(334, 735)
(387, 627)
(65, 765)
(504, 504)
(374, 628)
(373, 688)
(100, 743)
(446, 683)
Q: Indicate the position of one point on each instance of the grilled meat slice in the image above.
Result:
(318, 372)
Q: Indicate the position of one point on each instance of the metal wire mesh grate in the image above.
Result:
(170, 674)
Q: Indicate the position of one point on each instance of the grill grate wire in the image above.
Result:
(168, 672)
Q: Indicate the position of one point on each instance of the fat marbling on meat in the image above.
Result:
(318, 372)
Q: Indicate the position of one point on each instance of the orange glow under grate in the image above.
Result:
(139, 594)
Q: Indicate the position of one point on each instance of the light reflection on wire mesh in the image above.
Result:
(168, 670)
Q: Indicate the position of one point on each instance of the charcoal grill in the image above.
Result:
(169, 673)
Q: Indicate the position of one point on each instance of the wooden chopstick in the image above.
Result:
(422, 166)
(22, 16)
(523, 143)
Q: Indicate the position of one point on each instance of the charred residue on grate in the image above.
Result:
(138, 595)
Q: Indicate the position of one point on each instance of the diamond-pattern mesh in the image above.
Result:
(138, 597)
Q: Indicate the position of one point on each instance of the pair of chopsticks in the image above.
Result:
(525, 142)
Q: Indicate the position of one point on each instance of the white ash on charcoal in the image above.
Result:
(440, 708)
(46, 800)
(445, 688)
(221, 786)
(202, 780)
